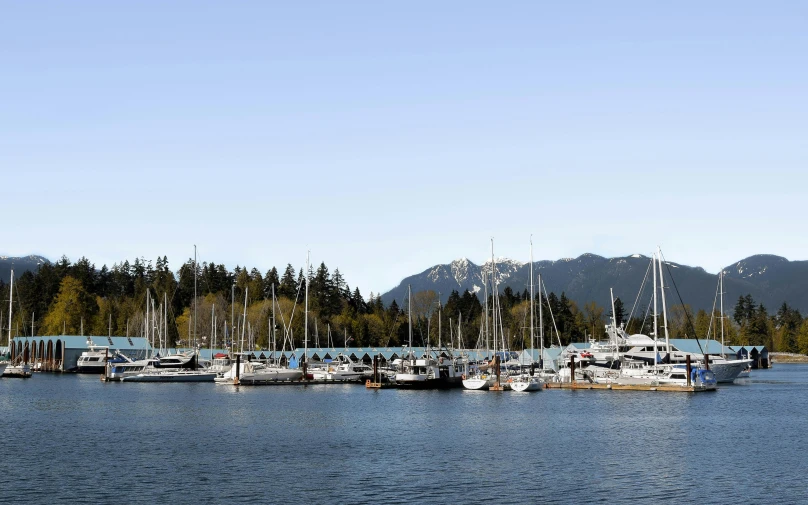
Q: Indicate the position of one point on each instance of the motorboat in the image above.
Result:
(93, 360)
(343, 368)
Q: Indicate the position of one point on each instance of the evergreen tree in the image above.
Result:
(288, 286)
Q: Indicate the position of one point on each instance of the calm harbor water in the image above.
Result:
(75, 439)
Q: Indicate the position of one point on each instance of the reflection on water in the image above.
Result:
(77, 439)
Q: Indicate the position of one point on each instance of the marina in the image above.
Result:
(204, 434)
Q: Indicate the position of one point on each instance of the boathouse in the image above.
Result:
(759, 354)
(60, 353)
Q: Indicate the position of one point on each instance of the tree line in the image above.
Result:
(266, 309)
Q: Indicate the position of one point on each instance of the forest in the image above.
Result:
(65, 298)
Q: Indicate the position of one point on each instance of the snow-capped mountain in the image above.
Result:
(19, 265)
(770, 280)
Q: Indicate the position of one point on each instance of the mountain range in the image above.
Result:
(770, 280)
(19, 265)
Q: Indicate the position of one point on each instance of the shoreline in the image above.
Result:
(777, 357)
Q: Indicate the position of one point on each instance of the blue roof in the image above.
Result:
(691, 345)
(80, 342)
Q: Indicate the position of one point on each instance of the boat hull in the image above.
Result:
(180, 376)
(17, 371)
(728, 371)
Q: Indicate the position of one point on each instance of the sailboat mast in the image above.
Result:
(439, 325)
(409, 314)
(494, 299)
(654, 268)
(195, 300)
(306, 322)
(274, 343)
(721, 284)
(664, 305)
(244, 320)
(10, 307)
(532, 301)
(541, 328)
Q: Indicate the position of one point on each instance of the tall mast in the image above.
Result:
(10, 307)
(439, 325)
(532, 299)
(654, 268)
(409, 314)
(306, 322)
(272, 331)
(244, 323)
(541, 327)
(721, 284)
(195, 300)
(485, 301)
(494, 299)
(664, 305)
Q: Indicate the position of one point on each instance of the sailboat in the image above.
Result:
(170, 368)
(488, 376)
(529, 381)
(19, 368)
(726, 370)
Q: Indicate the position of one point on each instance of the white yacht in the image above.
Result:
(94, 359)
(342, 368)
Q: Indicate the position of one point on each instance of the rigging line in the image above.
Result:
(642, 288)
(552, 317)
(712, 314)
(687, 316)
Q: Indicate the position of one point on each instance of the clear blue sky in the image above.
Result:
(387, 137)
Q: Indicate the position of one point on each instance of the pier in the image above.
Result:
(626, 387)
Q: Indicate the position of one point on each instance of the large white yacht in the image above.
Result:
(94, 359)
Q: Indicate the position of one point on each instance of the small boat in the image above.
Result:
(17, 369)
(254, 373)
(344, 369)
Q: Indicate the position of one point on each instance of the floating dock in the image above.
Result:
(627, 387)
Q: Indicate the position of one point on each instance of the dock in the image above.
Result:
(627, 387)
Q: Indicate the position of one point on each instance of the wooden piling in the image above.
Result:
(687, 367)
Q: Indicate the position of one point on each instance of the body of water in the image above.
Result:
(74, 439)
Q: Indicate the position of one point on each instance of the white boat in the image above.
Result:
(256, 373)
(488, 375)
(526, 382)
(634, 371)
(727, 370)
(526, 379)
(479, 381)
(119, 370)
(17, 369)
(151, 374)
(343, 368)
(94, 359)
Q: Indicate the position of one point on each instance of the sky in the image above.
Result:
(388, 137)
